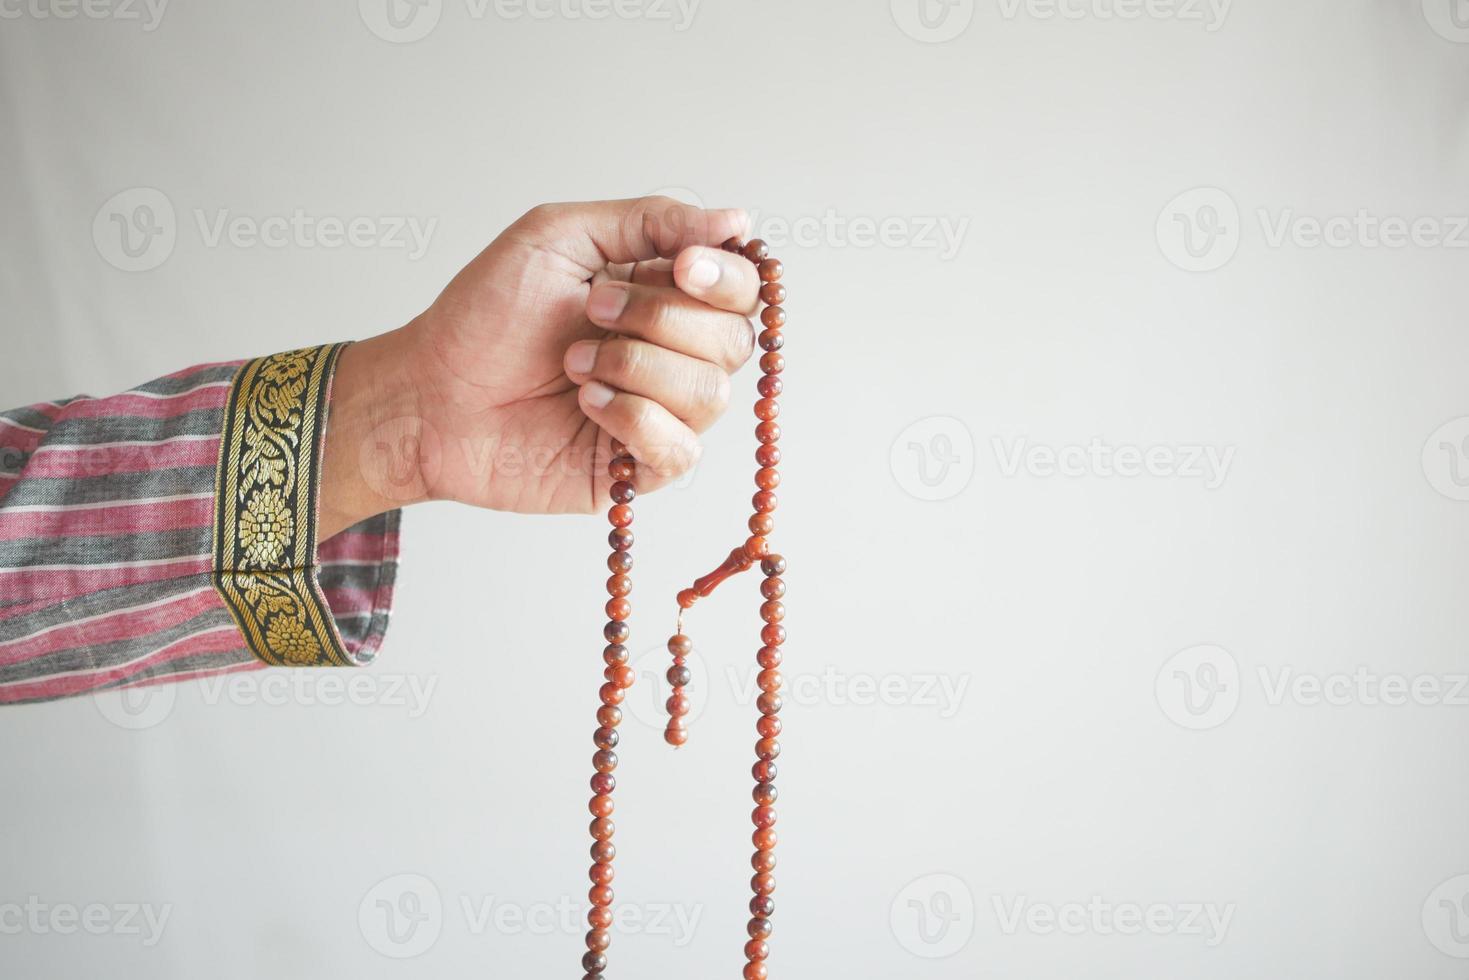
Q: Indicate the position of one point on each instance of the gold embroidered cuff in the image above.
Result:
(265, 508)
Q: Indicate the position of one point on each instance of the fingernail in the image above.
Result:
(703, 273)
(605, 304)
(581, 357)
(597, 394)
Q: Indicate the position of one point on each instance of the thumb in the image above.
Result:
(598, 233)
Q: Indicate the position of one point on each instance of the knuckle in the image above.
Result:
(716, 391)
(741, 342)
(626, 358)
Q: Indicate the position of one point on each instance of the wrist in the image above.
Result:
(372, 458)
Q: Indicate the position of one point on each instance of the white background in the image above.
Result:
(1077, 612)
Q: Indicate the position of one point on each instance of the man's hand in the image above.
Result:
(579, 324)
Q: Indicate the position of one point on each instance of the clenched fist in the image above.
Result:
(579, 324)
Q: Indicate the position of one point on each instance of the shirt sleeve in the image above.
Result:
(169, 532)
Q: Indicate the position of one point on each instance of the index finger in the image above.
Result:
(724, 280)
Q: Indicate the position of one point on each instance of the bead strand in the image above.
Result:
(619, 677)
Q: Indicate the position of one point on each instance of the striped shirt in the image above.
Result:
(169, 532)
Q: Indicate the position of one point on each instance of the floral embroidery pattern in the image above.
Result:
(265, 538)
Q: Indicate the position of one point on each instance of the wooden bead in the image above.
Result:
(620, 515)
(755, 250)
(603, 782)
(755, 970)
(766, 478)
(620, 562)
(756, 547)
(773, 317)
(773, 565)
(620, 538)
(761, 816)
(767, 455)
(619, 448)
(771, 362)
(772, 611)
(767, 432)
(606, 738)
(761, 524)
(601, 805)
(771, 270)
(614, 654)
(768, 726)
(615, 631)
(762, 905)
(677, 704)
(769, 680)
(594, 962)
(609, 716)
(764, 839)
(764, 501)
(679, 675)
(598, 940)
(622, 492)
(773, 634)
(773, 587)
(767, 748)
(772, 293)
(622, 468)
(618, 608)
(619, 585)
(605, 760)
(757, 949)
(769, 703)
(762, 883)
(759, 927)
(733, 245)
(771, 340)
(770, 385)
(602, 829)
(610, 693)
(763, 861)
(767, 409)
(680, 645)
(623, 676)
(599, 916)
